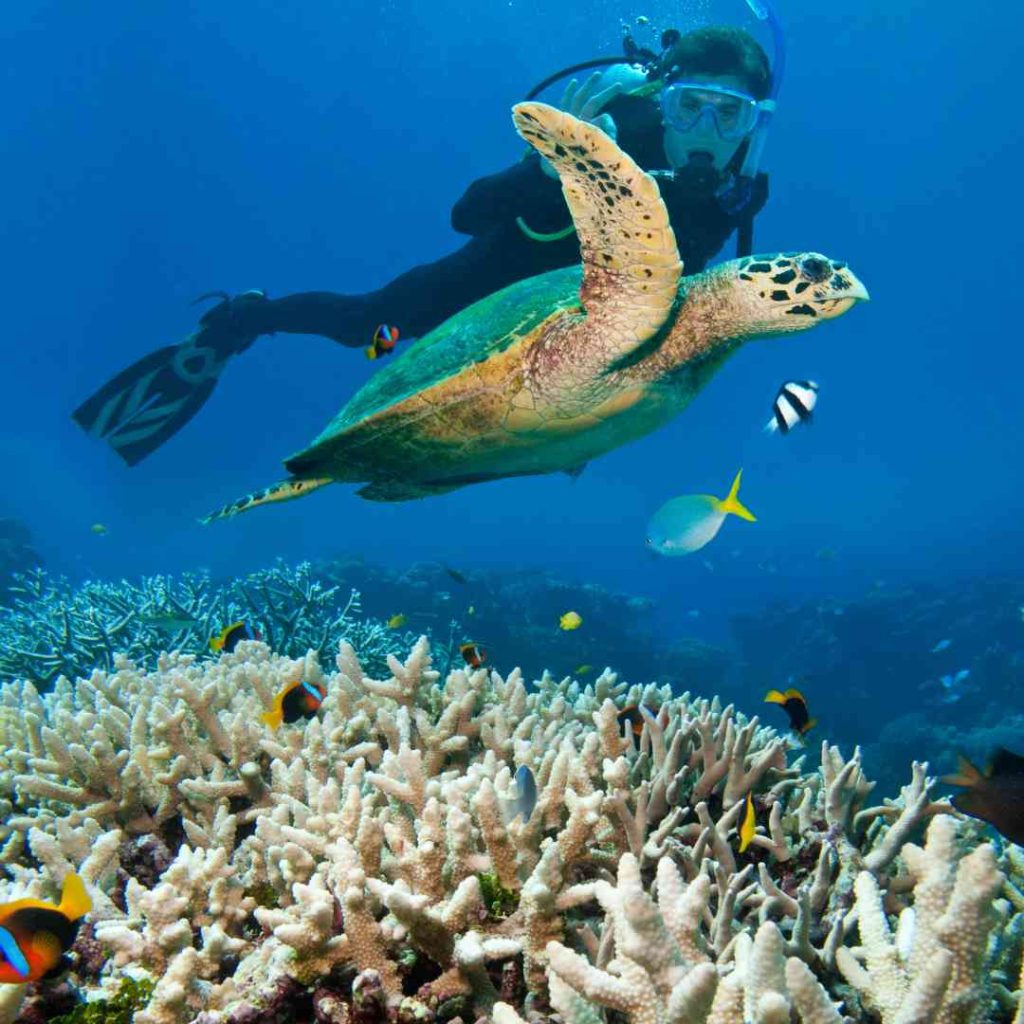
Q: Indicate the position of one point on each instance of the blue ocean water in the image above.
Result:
(155, 152)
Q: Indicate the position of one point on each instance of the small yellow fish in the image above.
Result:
(747, 829)
(396, 621)
(471, 610)
(99, 529)
(570, 620)
(583, 670)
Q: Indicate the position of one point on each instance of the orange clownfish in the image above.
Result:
(297, 700)
(231, 636)
(795, 706)
(385, 338)
(473, 655)
(632, 718)
(34, 936)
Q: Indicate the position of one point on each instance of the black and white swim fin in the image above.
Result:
(151, 400)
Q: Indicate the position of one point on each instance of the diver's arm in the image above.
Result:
(522, 190)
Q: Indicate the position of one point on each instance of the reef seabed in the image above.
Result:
(368, 864)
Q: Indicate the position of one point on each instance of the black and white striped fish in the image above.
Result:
(793, 404)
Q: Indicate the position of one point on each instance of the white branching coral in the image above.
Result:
(933, 967)
(234, 865)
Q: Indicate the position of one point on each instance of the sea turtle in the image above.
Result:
(555, 370)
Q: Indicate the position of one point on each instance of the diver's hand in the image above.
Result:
(586, 102)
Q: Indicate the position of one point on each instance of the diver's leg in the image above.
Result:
(151, 400)
(418, 300)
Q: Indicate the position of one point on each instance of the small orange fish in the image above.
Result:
(295, 701)
(34, 936)
(793, 703)
(473, 654)
(385, 338)
(231, 636)
(632, 717)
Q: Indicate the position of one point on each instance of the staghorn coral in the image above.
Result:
(231, 864)
(51, 628)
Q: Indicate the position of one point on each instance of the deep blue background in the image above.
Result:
(154, 152)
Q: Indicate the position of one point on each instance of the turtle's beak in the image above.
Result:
(843, 289)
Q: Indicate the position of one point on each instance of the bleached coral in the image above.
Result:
(230, 863)
(934, 967)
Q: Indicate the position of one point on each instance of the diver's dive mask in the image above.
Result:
(702, 107)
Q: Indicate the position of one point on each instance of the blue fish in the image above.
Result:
(684, 525)
(526, 788)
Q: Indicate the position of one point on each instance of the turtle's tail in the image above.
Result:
(284, 491)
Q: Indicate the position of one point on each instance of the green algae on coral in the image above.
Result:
(133, 995)
(499, 901)
(264, 894)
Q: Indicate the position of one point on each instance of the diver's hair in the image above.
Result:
(720, 50)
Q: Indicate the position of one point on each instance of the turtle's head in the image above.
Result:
(789, 291)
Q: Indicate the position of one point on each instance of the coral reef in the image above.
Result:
(51, 628)
(369, 863)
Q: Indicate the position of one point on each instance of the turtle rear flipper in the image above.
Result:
(286, 490)
(398, 490)
(631, 265)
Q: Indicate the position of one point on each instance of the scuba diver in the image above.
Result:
(694, 116)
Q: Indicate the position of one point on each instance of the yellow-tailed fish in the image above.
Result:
(684, 525)
(748, 828)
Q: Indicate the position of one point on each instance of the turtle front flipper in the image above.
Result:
(631, 266)
(284, 491)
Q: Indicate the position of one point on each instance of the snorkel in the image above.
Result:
(737, 194)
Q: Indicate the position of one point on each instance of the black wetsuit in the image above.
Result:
(499, 252)
(144, 405)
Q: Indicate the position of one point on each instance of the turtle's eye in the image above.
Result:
(815, 269)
